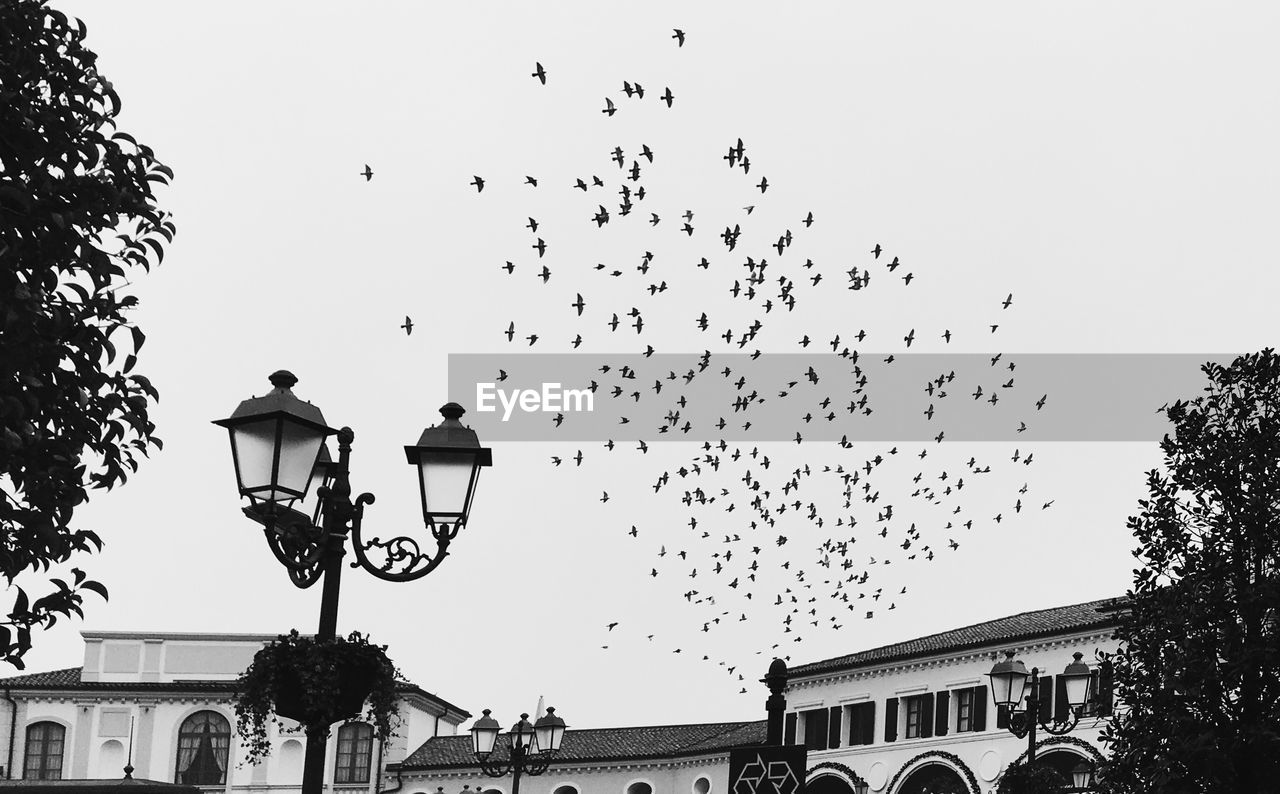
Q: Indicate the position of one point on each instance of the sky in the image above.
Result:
(1111, 167)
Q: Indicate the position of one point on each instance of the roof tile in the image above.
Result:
(1024, 626)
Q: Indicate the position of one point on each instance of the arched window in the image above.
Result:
(355, 749)
(44, 751)
(639, 787)
(204, 741)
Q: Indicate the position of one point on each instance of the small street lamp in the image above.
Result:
(1082, 775)
(302, 499)
(1009, 679)
(532, 747)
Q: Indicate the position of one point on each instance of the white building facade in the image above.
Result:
(162, 704)
(909, 718)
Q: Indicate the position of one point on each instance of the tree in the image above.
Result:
(77, 219)
(1034, 778)
(1198, 669)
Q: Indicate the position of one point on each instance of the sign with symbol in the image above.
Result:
(767, 769)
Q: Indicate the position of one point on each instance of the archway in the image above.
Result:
(933, 779)
(827, 784)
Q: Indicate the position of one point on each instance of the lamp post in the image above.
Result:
(1009, 679)
(302, 499)
(532, 747)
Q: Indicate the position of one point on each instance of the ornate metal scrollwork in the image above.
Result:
(399, 559)
(1020, 723)
(296, 543)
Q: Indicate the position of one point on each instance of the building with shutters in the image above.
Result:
(910, 718)
(916, 717)
(162, 704)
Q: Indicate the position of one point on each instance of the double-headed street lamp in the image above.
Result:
(533, 746)
(1009, 679)
(302, 499)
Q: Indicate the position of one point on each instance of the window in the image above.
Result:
(815, 728)
(919, 721)
(355, 749)
(702, 785)
(964, 710)
(915, 707)
(639, 787)
(44, 751)
(203, 743)
(862, 723)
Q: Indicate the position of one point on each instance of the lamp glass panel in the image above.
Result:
(1082, 775)
(309, 504)
(1017, 690)
(255, 445)
(1000, 685)
(483, 739)
(446, 478)
(299, 449)
(1077, 689)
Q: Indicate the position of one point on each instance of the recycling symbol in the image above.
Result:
(759, 777)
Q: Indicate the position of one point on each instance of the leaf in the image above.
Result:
(96, 587)
(155, 246)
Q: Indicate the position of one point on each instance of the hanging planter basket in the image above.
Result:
(315, 684)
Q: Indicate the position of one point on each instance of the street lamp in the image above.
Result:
(1082, 775)
(532, 747)
(302, 499)
(1009, 679)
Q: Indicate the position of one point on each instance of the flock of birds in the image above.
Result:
(788, 538)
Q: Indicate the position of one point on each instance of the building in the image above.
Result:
(645, 760)
(910, 718)
(162, 704)
(916, 716)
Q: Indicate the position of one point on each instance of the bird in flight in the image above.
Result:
(528, 180)
(540, 73)
(408, 325)
(609, 109)
(367, 173)
(667, 96)
(579, 304)
(478, 182)
(678, 36)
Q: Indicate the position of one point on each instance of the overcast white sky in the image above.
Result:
(1112, 165)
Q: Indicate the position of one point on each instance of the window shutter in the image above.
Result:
(1002, 717)
(943, 713)
(979, 708)
(789, 729)
(815, 729)
(891, 720)
(868, 723)
(926, 715)
(1105, 689)
(833, 727)
(1046, 698)
(1060, 704)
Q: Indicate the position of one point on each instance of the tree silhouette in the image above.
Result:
(77, 220)
(1198, 670)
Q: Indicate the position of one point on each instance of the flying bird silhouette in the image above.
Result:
(367, 173)
(540, 73)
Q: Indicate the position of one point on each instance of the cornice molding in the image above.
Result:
(884, 669)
